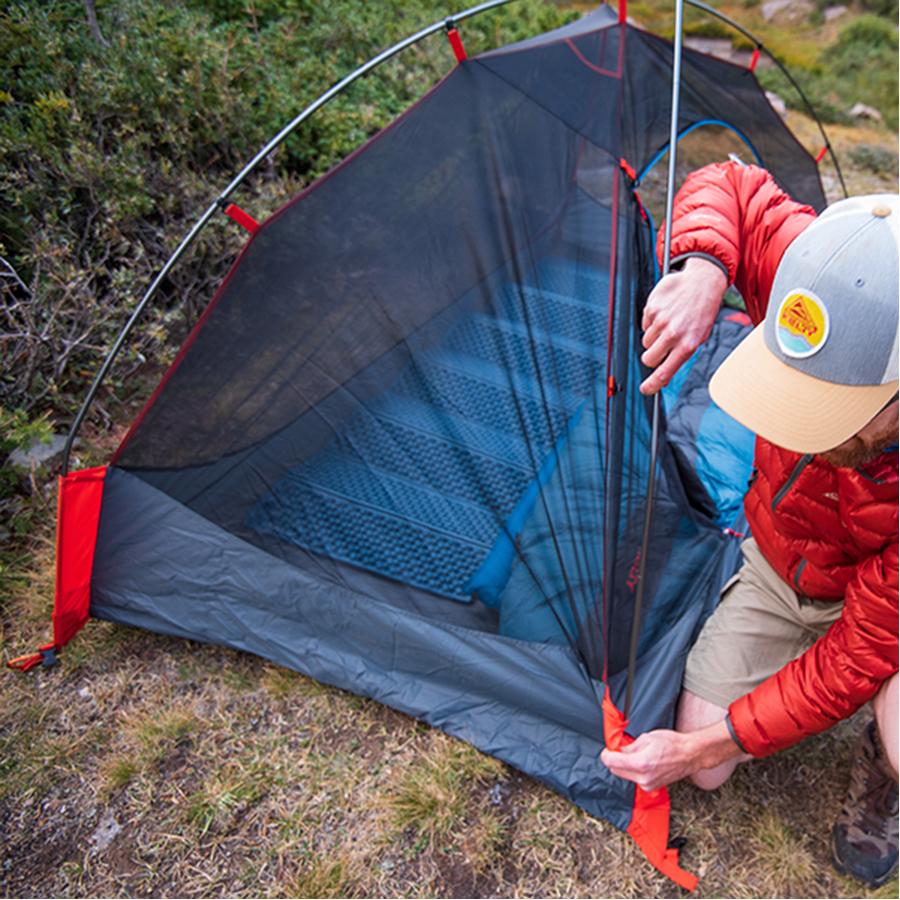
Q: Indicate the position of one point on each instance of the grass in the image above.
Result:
(227, 775)
(432, 797)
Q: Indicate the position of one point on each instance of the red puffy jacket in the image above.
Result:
(829, 532)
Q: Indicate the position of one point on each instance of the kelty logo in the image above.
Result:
(801, 327)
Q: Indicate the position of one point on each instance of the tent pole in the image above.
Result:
(219, 202)
(654, 434)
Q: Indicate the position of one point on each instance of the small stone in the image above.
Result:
(496, 795)
(772, 8)
(861, 111)
(834, 12)
(105, 833)
(387, 865)
(790, 10)
(39, 455)
(84, 693)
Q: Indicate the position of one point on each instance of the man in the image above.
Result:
(806, 633)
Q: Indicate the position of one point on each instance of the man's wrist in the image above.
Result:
(707, 268)
(713, 745)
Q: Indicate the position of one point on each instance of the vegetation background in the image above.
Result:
(149, 766)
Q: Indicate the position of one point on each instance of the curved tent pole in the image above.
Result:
(710, 10)
(685, 132)
(654, 433)
(219, 202)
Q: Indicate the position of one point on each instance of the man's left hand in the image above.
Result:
(659, 758)
(654, 760)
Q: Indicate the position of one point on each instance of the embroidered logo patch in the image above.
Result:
(801, 328)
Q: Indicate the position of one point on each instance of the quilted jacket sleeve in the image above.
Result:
(740, 217)
(843, 670)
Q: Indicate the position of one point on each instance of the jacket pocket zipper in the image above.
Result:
(802, 463)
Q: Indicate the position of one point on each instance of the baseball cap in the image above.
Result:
(824, 361)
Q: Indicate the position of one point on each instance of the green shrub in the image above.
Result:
(859, 66)
(886, 8)
(108, 153)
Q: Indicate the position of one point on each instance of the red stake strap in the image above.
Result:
(456, 43)
(650, 815)
(754, 60)
(623, 11)
(244, 219)
(29, 661)
(821, 154)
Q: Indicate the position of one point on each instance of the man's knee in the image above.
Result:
(695, 713)
(711, 779)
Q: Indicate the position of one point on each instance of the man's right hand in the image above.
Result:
(678, 318)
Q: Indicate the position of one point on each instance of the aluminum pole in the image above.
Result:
(654, 434)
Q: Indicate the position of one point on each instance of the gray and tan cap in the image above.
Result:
(824, 362)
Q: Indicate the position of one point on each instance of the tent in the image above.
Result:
(403, 450)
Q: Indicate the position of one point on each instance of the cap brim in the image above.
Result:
(786, 406)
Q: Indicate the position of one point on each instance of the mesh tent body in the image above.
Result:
(403, 451)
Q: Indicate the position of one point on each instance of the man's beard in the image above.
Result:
(857, 452)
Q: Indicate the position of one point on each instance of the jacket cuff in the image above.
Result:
(678, 260)
(730, 726)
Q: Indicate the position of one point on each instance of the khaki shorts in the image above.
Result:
(759, 626)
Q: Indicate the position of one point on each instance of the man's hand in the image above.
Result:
(659, 758)
(678, 318)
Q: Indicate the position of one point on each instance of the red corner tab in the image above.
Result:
(650, 816)
(459, 51)
(242, 217)
(77, 522)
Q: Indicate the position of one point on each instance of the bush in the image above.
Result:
(886, 8)
(859, 66)
(108, 153)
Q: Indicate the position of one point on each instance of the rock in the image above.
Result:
(834, 12)
(861, 111)
(105, 833)
(38, 456)
(790, 10)
(776, 103)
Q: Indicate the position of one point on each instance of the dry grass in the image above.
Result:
(151, 766)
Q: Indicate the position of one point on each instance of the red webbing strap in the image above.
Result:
(456, 43)
(30, 660)
(650, 816)
(77, 521)
(243, 218)
(754, 60)
(623, 11)
(821, 154)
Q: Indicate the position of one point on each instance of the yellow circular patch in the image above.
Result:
(801, 327)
